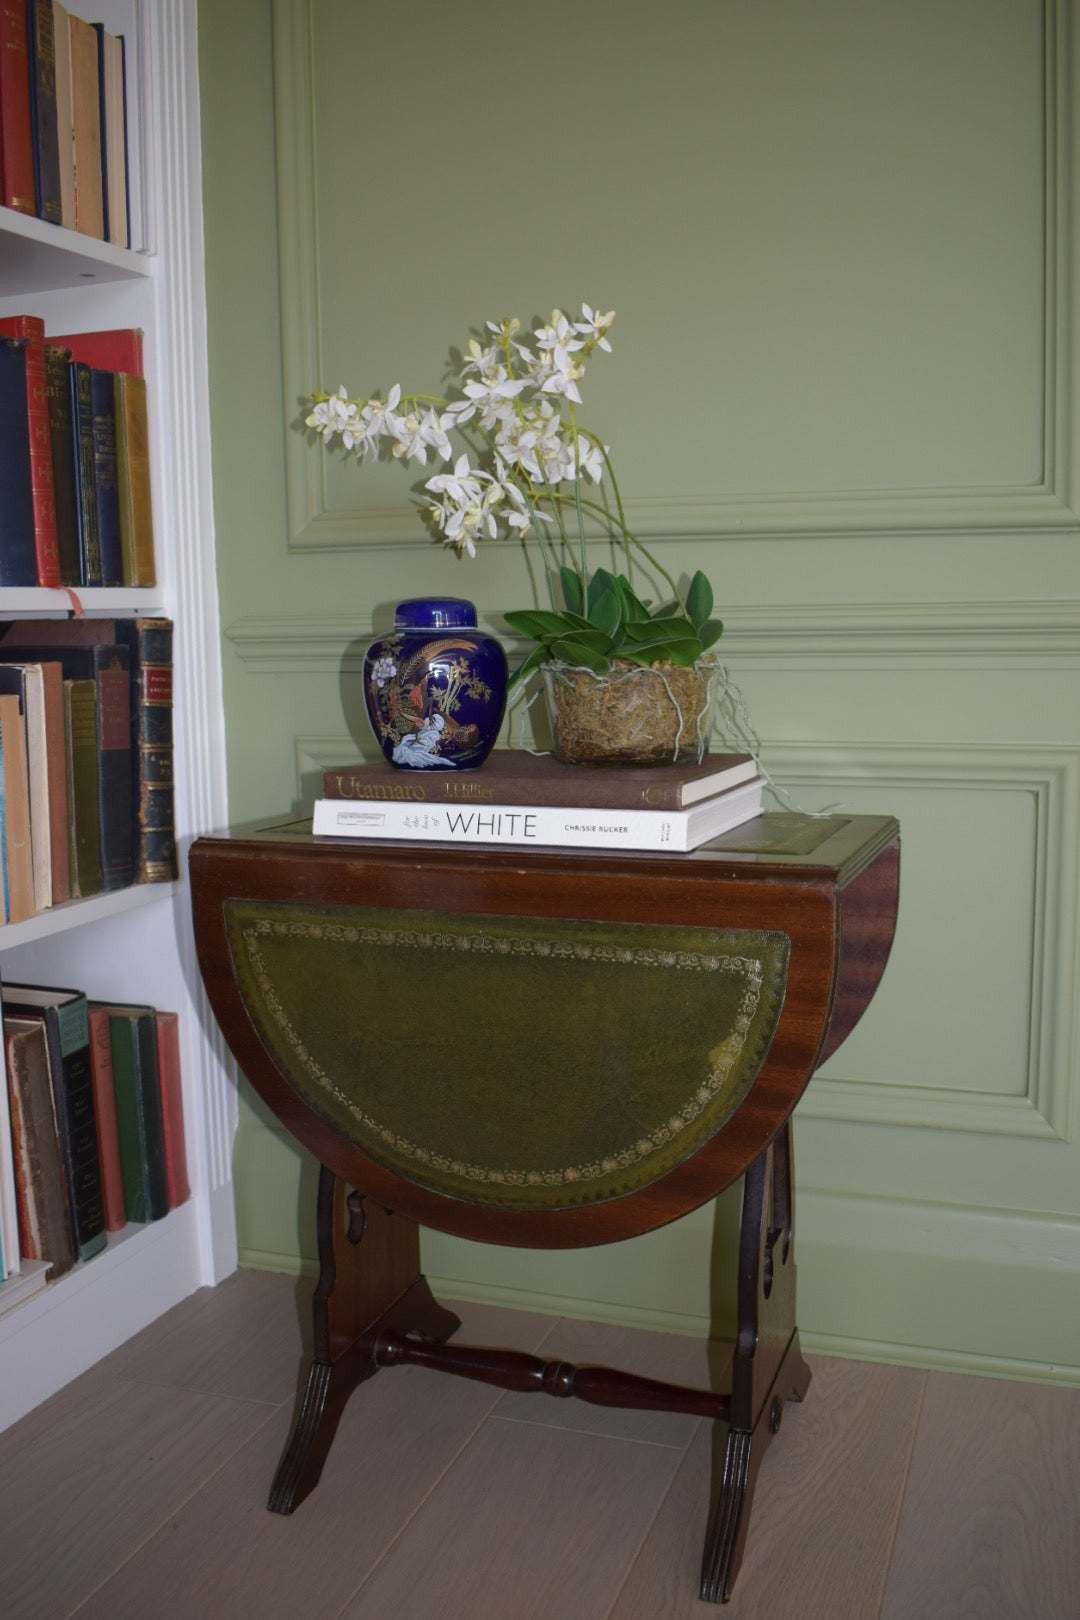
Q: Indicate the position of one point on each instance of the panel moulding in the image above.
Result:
(1051, 775)
(1040, 506)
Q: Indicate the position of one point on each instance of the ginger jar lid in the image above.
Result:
(435, 613)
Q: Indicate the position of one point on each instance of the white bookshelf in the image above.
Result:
(136, 944)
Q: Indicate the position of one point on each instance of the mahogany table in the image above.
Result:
(544, 1048)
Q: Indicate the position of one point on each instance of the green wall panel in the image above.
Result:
(838, 241)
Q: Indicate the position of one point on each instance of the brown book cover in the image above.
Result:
(512, 776)
(133, 473)
(112, 1182)
(172, 1107)
(64, 122)
(44, 1227)
(32, 328)
(113, 133)
(81, 766)
(16, 141)
(86, 122)
(20, 865)
(28, 684)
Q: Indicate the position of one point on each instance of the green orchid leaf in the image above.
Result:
(710, 632)
(654, 650)
(537, 657)
(634, 609)
(570, 580)
(699, 600)
(536, 622)
(679, 629)
(570, 653)
(588, 637)
(600, 583)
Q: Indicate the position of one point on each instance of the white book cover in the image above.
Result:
(672, 831)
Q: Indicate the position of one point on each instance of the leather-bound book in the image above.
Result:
(44, 131)
(18, 852)
(83, 793)
(64, 120)
(46, 558)
(63, 1014)
(133, 1034)
(82, 434)
(16, 143)
(108, 665)
(44, 1228)
(18, 558)
(172, 1108)
(133, 477)
(149, 644)
(63, 463)
(86, 121)
(101, 1068)
(52, 686)
(106, 484)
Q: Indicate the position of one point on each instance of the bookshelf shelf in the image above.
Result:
(135, 944)
(47, 257)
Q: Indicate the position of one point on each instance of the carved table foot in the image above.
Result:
(369, 1281)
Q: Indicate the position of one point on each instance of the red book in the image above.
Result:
(16, 145)
(119, 349)
(172, 1107)
(101, 1070)
(46, 552)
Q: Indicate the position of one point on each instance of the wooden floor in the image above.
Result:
(140, 1490)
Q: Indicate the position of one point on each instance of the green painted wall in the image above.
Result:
(838, 241)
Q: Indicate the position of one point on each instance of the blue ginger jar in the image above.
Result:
(435, 687)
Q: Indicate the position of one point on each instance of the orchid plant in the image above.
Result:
(529, 466)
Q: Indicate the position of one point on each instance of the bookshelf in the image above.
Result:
(135, 944)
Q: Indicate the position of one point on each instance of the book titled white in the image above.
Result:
(674, 831)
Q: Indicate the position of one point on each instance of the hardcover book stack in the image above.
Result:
(86, 759)
(75, 506)
(64, 154)
(531, 799)
(92, 1135)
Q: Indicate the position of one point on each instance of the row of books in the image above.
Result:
(516, 797)
(63, 120)
(86, 759)
(75, 503)
(91, 1129)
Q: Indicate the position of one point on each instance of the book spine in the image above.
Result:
(86, 122)
(112, 666)
(82, 430)
(103, 136)
(76, 1101)
(524, 825)
(44, 129)
(52, 687)
(84, 816)
(133, 1038)
(106, 482)
(567, 787)
(133, 474)
(64, 120)
(149, 644)
(18, 558)
(172, 1108)
(101, 1068)
(44, 1230)
(20, 865)
(17, 163)
(63, 463)
(47, 562)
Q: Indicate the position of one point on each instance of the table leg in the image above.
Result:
(369, 1279)
(767, 1369)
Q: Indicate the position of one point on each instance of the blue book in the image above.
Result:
(18, 557)
(82, 450)
(3, 843)
(106, 479)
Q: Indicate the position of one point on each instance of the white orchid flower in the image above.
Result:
(595, 327)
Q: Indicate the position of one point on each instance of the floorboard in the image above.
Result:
(888, 1494)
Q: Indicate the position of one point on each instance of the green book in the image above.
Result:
(139, 1127)
(83, 802)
